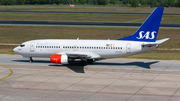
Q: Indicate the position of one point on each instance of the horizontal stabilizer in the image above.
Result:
(162, 40)
(155, 43)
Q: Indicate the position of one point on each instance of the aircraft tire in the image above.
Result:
(83, 63)
(30, 60)
(90, 61)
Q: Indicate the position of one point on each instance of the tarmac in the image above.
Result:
(106, 80)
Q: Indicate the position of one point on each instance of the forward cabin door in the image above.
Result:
(32, 46)
(128, 48)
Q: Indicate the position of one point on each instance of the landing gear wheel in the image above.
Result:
(30, 60)
(90, 61)
(83, 63)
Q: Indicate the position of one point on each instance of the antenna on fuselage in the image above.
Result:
(78, 38)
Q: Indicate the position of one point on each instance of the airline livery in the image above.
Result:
(63, 51)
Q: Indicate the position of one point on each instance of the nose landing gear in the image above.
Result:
(30, 60)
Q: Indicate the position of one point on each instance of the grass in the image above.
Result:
(83, 17)
(86, 8)
(7, 49)
(18, 34)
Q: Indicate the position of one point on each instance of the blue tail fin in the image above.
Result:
(149, 29)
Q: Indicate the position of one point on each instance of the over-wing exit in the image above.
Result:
(63, 51)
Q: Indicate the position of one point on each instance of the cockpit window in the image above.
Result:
(22, 45)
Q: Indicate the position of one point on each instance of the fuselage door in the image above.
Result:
(32, 46)
(128, 48)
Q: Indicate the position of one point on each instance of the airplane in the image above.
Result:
(62, 51)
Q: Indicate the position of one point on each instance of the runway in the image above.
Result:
(91, 24)
(112, 79)
(52, 12)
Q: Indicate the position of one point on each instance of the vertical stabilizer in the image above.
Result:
(149, 29)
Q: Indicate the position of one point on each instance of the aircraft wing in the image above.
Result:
(79, 55)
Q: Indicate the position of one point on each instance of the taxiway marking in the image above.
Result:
(11, 72)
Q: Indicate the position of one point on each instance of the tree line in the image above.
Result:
(132, 3)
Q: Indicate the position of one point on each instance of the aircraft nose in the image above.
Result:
(16, 50)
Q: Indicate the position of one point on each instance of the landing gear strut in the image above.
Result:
(30, 60)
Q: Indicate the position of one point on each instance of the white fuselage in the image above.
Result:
(102, 48)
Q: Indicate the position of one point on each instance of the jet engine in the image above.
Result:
(59, 58)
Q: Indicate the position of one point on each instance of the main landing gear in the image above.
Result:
(30, 60)
(90, 61)
(85, 62)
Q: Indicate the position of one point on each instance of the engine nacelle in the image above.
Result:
(59, 59)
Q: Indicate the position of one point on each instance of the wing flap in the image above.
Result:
(79, 55)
